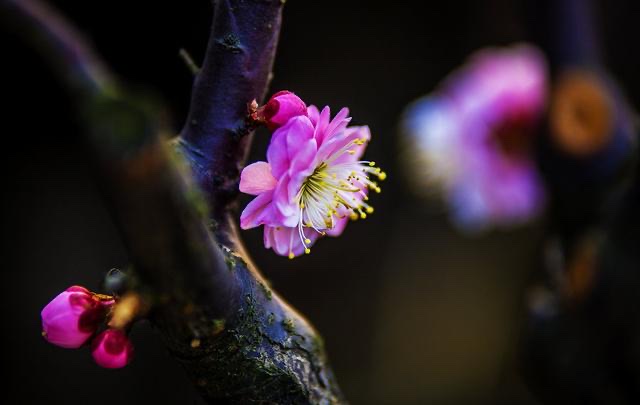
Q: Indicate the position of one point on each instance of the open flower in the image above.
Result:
(313, 181)
(72, 317)
(475, 137)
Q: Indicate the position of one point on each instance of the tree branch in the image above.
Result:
(68, 53)
(236, 70)
(589, 138)
(236, 338)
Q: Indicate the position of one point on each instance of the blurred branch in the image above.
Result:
(567, 30)
(67, 51)
(584, 350)
(238, 341)
(589, 138)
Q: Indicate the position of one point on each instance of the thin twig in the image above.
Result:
(189, 62)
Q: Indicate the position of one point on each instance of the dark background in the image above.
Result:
(411, 312)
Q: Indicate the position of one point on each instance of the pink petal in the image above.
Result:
(302, 164)
(286, 142)
(277, 154)
(299, 132)
(257, 178)
(322, 124)
(336, 143)
(352, 134)
(257, 211)
(314, 114)
(338, 227)
(283, 238)
(337, 125)
(268, 236)
(286, 240)
(286, 206)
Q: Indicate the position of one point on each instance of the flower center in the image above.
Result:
(514, 136)
(335, 191)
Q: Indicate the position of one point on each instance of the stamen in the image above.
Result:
(336, 191)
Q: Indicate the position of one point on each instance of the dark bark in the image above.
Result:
(585, 349)
(235, 71)
(584, 188)
(236, 338)
(566, 30)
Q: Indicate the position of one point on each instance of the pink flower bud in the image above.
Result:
(73, 316)
(112, 349)
(279, 109)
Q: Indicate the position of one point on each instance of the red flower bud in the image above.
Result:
(112, 349)
(73, 316)
(279, 109)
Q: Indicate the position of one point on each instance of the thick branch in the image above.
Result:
(238, 341)
(160, 214)
(236, 70)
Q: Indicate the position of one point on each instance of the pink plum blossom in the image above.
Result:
(72, 317)
(280, 107)
(112, 349)
(474, 135)
(312, 182)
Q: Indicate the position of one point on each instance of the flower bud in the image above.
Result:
(112, 349)
(279, 109)
(73, 316)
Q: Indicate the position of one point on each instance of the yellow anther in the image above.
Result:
(382, 175)
(372, 164)
(307, 251)
(307, 240)
(363, 215)
(370, 210)
(301, 205)
(353, 216)
(291, 255)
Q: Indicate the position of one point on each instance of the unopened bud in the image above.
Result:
(281, 107)
(73, 316)
(112, 349)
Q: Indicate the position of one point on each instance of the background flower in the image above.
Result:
(474, 137)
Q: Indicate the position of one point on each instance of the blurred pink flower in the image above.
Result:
(475, 136)
(312, 183)
(112, 349)
(72, 317)
(280, 107)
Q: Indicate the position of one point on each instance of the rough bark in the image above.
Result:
(237, 339)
